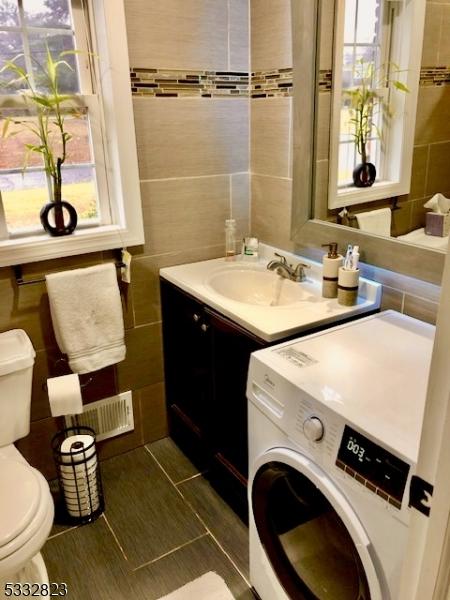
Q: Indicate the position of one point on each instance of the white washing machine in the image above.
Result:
(334, 428)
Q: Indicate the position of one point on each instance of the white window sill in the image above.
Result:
(82, 241)
(378, 191)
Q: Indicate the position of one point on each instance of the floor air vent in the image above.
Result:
(108, 417)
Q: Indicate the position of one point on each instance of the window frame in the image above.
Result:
(406, 51)
(112, 125)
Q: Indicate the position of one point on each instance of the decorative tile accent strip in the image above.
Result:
(325, 82)
(267, 84)
(171, 83)
(203, 84)
(434, 76)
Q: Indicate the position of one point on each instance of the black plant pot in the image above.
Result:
(60, 227)
(364, 175)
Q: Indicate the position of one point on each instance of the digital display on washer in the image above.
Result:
(374, 464)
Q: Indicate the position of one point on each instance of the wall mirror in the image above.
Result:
(341, 47)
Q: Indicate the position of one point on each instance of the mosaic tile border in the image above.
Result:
(168, 83)
(325, 82)
(434, 76)
(269, 84)
(429, 76)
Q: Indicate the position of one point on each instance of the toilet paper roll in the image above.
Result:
(64, 394)
(77, 448)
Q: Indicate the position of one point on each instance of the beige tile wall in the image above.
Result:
(271, 126)
(191, 137)
(188, 34)
(271, 42)
(193, 163)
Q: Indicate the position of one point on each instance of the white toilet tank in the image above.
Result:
(16, 373)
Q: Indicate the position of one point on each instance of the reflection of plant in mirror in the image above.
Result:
(369, 97)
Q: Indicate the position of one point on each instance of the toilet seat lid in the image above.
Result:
(20, 498)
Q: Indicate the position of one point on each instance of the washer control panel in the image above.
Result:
(373, 466)
(333, 443)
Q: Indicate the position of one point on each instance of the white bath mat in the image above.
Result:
(207, 587)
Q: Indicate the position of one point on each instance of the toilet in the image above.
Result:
(26, 504)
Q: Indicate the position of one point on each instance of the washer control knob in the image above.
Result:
(313, 429)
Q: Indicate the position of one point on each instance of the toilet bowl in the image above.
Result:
(26, 504)
(26, 517)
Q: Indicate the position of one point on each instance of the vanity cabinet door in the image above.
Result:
(231, 349)
(187, 359)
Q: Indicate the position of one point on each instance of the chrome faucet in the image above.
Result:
(282, 268)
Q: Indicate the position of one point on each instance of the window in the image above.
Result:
(365, 50)
(100, 170)
(376, 41)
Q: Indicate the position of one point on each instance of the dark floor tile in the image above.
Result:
(143, 508)
(177, 466)
(184, 565)
(220, 519)
(90, 562)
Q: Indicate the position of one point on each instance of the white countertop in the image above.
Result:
(271, 323)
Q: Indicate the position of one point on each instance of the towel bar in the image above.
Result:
(352, 216)
(18, 274)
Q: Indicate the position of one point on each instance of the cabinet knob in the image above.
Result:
(204, 327)
(196, 317)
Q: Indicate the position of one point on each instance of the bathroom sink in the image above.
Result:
(262, 302)
(259, 287)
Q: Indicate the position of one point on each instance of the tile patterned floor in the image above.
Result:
(163, 526)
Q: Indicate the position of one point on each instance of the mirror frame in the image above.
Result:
(309, 233)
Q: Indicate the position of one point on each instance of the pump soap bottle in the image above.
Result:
(331, 263)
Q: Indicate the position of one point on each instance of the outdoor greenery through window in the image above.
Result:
(27, 29)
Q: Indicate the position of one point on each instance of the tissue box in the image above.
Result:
(437, 224)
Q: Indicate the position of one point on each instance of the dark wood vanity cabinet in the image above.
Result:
(206, 361)
(187, 366)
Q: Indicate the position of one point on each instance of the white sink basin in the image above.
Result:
(263, 288)
(263, 303)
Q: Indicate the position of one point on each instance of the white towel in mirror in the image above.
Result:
(376, 221)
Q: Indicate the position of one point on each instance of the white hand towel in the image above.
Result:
(87, 316)
(376, 221)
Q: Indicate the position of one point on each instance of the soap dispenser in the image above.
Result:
(331, 263)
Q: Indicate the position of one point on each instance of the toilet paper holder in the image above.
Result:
(82, 385)
(78, 468)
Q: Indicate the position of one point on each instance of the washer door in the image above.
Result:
(314, 541)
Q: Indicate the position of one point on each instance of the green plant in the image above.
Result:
(49, 107)
(366, 99)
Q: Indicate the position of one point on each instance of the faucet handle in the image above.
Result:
(283, 258)
(299, 273)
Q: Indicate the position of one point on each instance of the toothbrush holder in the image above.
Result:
(348, 284)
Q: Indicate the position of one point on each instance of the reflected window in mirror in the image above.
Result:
(375, 86)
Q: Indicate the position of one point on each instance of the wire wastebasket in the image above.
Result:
(80, 483)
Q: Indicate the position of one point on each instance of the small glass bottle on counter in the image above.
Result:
(230, 239)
